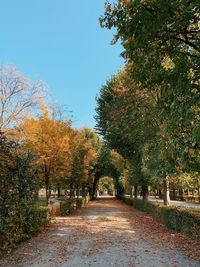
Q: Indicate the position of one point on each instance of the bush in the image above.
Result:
(127, 200)
(85, 200)
(64, 207)
(79, 203)
(19, 223)
(184, 220)
(69, 205)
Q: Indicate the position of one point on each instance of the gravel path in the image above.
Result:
(106, 233)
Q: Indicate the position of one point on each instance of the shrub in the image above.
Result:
(85, 200)
(79, 203)
(184, 220)
(64, 207)
(69, 205)
(127, 200)
(20, 222)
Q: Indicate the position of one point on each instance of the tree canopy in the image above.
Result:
(151, 108)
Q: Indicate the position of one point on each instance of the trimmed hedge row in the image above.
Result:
(184, 220)
(69, 205)
(20, 222)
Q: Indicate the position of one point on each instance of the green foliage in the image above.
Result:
(21, 222)
(106, 183)
(162, 37)
(78, 166)
(20, 218)
(18, 178)
(127, 117)
(41, 203)
(69, 205)
(79, 202)
(109, 163)
(85, 200)
(127, 200)
(149, 112)
(161, 41)
(184, 220)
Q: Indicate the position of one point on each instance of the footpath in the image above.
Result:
(105, 233)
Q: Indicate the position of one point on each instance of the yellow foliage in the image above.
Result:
(167, 63)
(50, 141)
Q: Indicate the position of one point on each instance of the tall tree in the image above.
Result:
(161, 40)
(49, 141)
(126, 118)
(18, 176)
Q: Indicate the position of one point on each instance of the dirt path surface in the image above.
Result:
(106, 233)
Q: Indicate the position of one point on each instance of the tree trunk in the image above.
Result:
(181, 194)
(71, 190)
(174, 194)
(94, 187)
(58, 189)
(198, 190)
(166, 196)
(117, 192)
(135, 191)
(122, 191)
(47, 191)
(91, 192)
(78, 193)
(155, 192)
(83, 191)
(94, 190)
(159, 193)
(145, 192)
(131, 192)
(187, 191)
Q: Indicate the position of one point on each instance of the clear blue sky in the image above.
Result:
(61, 42)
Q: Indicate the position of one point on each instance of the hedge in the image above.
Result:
(69, 205)
(20, 222)
(184, 220)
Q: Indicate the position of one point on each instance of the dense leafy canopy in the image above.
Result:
(162, 39)
(149, 112)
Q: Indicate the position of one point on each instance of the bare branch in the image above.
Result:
(18, 96)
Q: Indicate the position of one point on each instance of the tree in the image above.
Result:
(156, 32)
(125, 117)
(49, 141)
(85, 151)
(8, 186)
(161, 41)
(160, 161)
(18, 96)
(106, 183)
(18, 177)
